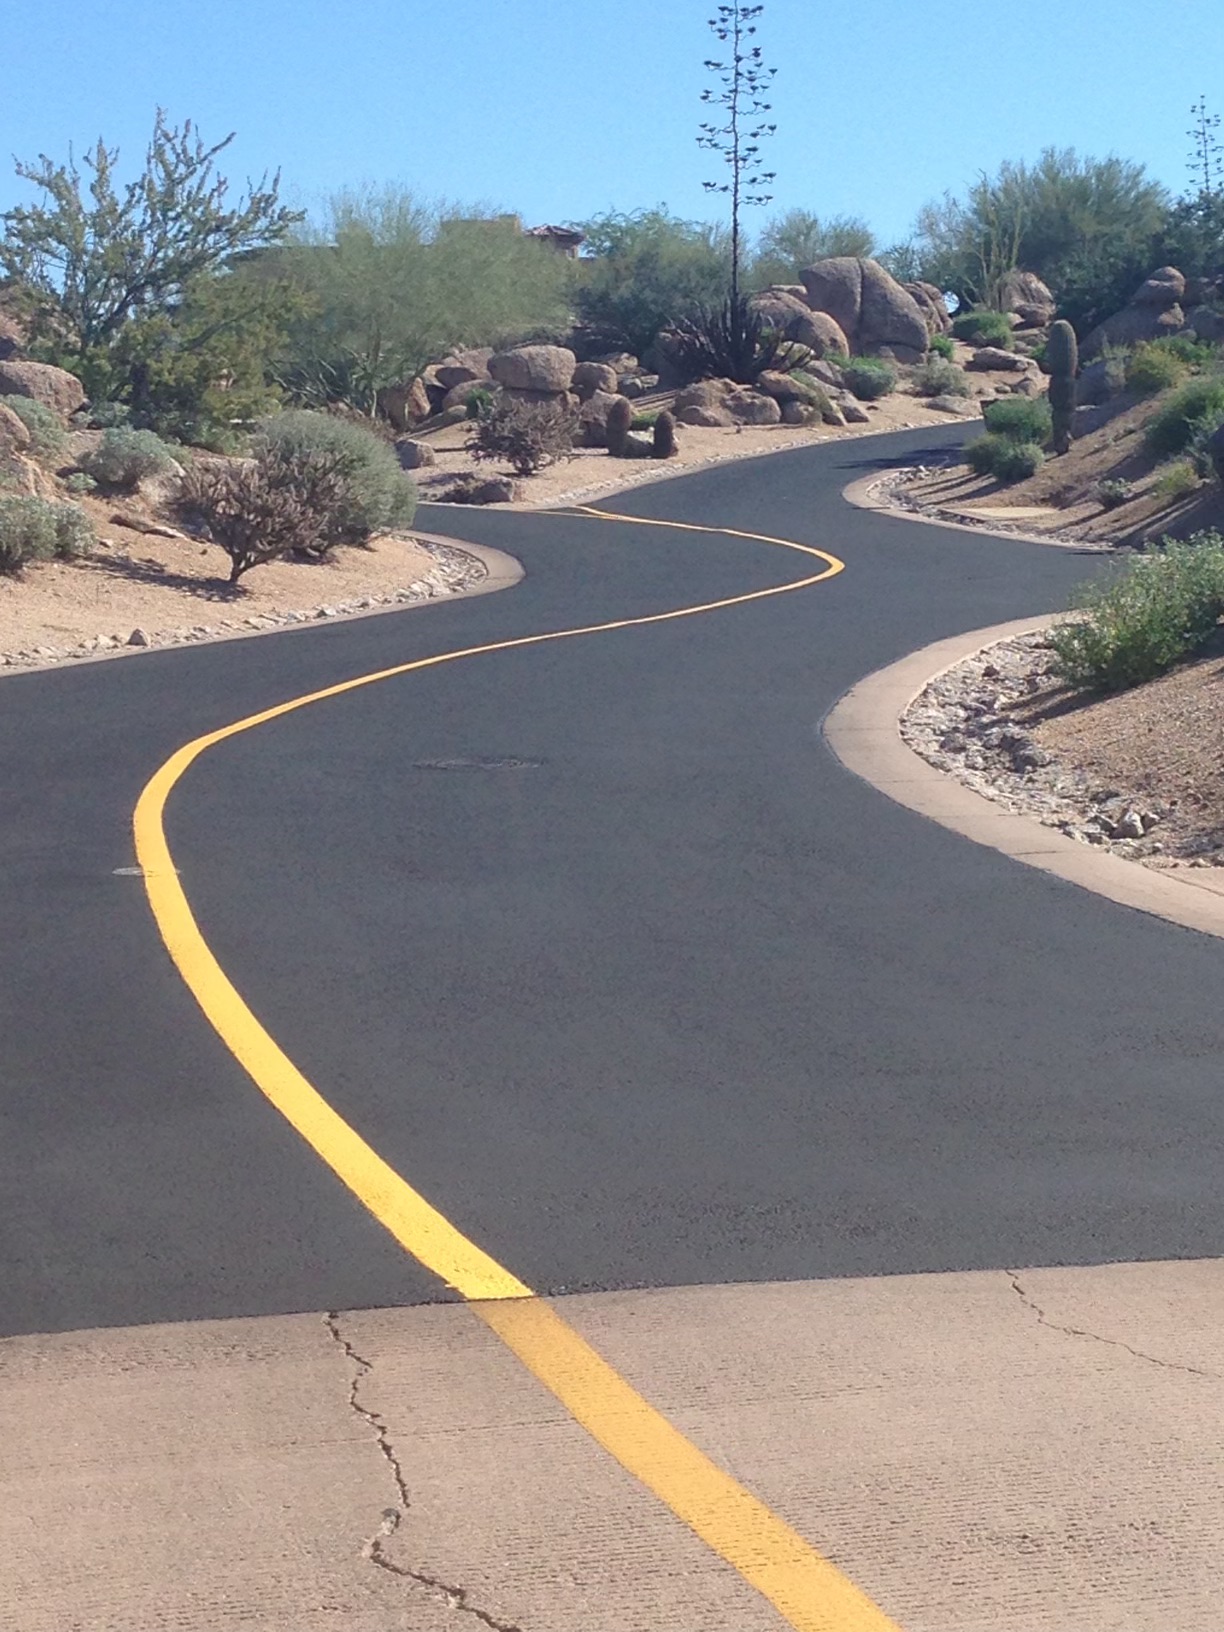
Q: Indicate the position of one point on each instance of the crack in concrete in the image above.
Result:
(1095, 1337)
(455, 1598)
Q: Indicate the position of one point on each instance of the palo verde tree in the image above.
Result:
(94, 254)
(744, 84)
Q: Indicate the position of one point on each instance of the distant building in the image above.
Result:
(565, 240)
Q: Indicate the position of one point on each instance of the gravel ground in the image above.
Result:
(1139, 773)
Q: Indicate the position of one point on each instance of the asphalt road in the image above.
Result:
(675, 1000)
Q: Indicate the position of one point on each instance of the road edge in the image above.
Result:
(863, 732)
(863, 493)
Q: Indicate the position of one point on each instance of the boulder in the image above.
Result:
(826, 373)
(873, 311)
(1024, 295)
(703, 414)
(404, 405)
(796, 321)
(590, 378)
(637, 385)
(473, 489)
(1207, 323)
(960, 406)
(55, 388)
(930, 303)
(1095, 384)
(852, 409)
(457, 396)
(705, 394)
(784, 387)
(994, 360)
(1164, 287)
(461, 366)
(11, 338)
(621, 362)
(14, 435)
(414, 455)
(752, 408)
(795, 412)
(534, 368)
(1154, 310)
(593, 419)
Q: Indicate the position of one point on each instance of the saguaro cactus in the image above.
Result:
(1062, 359)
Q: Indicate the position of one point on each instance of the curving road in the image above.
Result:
(594, 942)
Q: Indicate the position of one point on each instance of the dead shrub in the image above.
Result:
(257, 510)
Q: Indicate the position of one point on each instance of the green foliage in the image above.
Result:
(1193, 235)
(942, 345)
(643, 271)
(1177, 481)
(983, 328)
(619, 421)
(103, 416)
(78, 483)
(1089, 227)
(378, 495)
(1197, 405)
(1003, 457)
(479, 400)
(125, 457)
(48, 439)
(1200, 449)
(903, 260)
(1145, 616)
(41, 530)
(389, 283)
(644, 422)
(1020, 419)
(1151, 368)
(940, 378)
(95, 255)
(869, 377)
(1194, 353)
(1061, 351)
(797, 239)
(289, 499)
(664, 439)
(1113, 492)
(525, 435)
(733, 341)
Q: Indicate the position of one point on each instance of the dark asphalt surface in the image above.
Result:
(679, 1000)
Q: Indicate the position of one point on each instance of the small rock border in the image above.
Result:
(453, 570)
(960, 724)
(893, 491)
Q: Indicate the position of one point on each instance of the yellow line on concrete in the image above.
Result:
(808, 1591)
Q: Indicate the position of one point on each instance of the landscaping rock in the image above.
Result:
(593, 419)
(414, 455)
(139, 637)
(994, 360)
(1207, 323)
(14, 436)
(457, 395)
(471, 489)
(704, 394)
(621, 362)
(1025, 296)
(960, 406)
(930, 302)
(637, 385)
(877, 316)
(710, 417)
(11, 338)
(463, 365)
(784, 387)
(795, 412)
(1154, 310)
(797, 322)
(534, 368)
(404, 405)
(55, 388)
(752, 408)
(590, 378)
(852, 410)
(1163, 288)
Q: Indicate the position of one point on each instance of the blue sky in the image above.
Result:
(562, 108)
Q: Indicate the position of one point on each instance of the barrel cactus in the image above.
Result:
(664, 436)
(1062, 360)
(620, 417)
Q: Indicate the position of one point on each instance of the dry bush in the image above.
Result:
(278, 504)
(526, 435)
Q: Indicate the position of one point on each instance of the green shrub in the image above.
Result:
(1198, 403)
(104, 416)
(41, 530)
(125, 457)
(1151, 368)
(942, 346)
(1113, 491)
(47, 436)
(984, 329)
(78, 482)
(1004, 458)
(1177, 481)
(869, 377)
(1021, 419)
(939, 378)
(526, 435)
(644, 422)
(478, 401)
(378, 496)
(1143, 617)
(1194, 353)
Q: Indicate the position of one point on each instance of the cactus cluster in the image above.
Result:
(1062, 360)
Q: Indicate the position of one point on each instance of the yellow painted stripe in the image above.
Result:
(812, 1594)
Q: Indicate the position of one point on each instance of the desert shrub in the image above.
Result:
(1199, 449)
(78, 482)
(1020, 419)
(378, 494)
(1151, 368)
(47, 436)
(479, 400)
(983, 329)
(644, 422)
(284, 501)
(733, 341)
(1112, 491)
(1004, 458)
(1145, 616)
(939, 378)
(942, 346)
(1199, 402)
(526, 435)
(125, 457)
(41, 530)
(104, 416)
(1194, 353)
(869, 377)
(1177, 481)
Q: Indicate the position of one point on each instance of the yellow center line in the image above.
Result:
(807, 1590)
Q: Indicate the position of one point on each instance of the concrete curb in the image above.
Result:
(864, 493)
(502, 571)
(863, 730)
